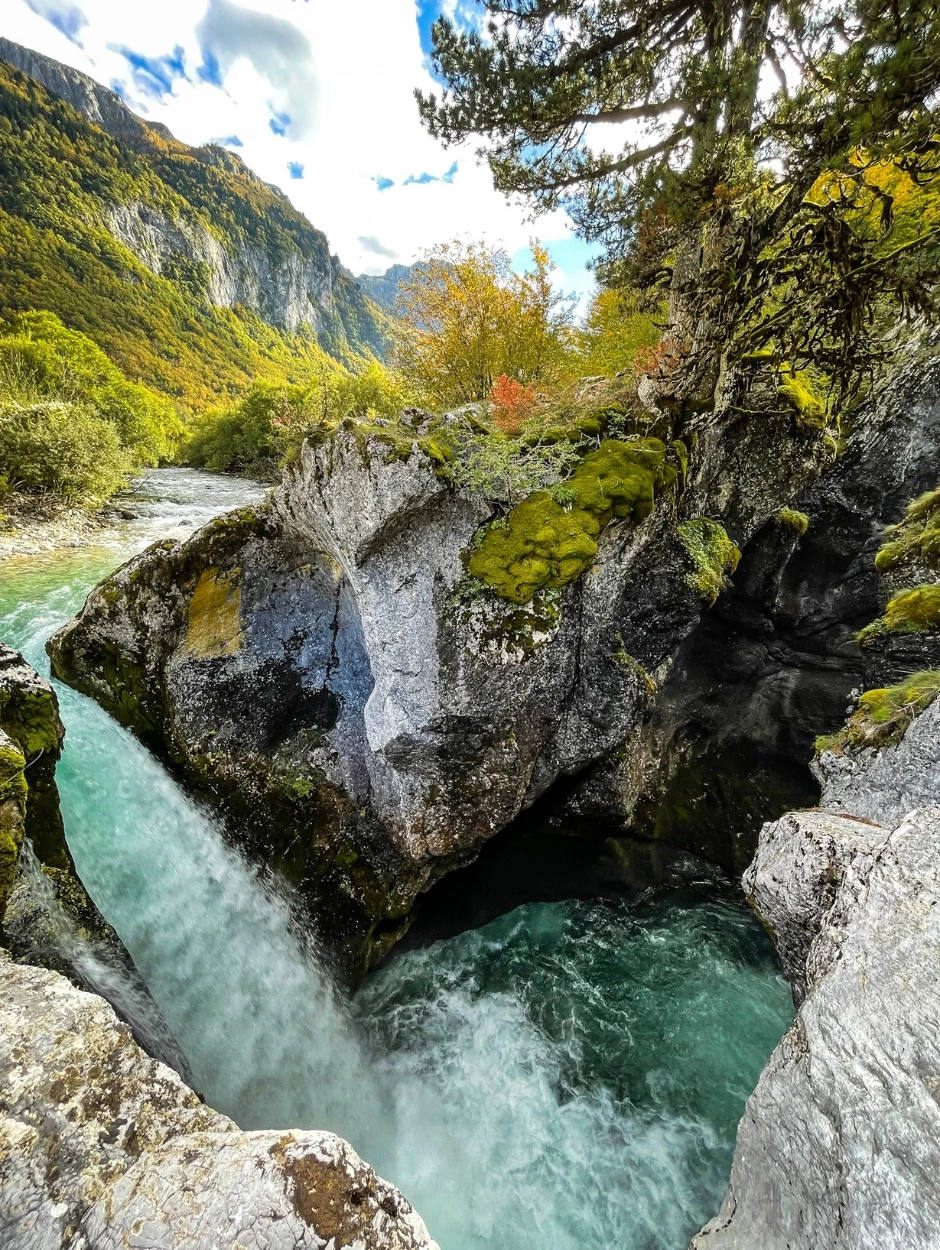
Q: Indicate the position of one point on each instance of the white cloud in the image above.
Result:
(343, 74)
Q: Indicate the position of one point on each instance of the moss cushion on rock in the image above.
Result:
(882, 716)
(713, 553)
(913, 611)
(915, 538)
(543, 543)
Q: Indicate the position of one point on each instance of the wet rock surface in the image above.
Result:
(101, 1146)
(838, 1146)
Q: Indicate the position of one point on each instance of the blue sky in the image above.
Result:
(317, 97)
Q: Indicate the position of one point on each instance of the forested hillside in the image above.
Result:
(193, 275)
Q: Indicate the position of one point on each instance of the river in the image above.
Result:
(568, 1076)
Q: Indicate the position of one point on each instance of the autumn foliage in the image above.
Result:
(511, 403)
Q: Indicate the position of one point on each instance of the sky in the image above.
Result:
(316, 96)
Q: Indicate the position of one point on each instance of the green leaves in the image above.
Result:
(731, 117)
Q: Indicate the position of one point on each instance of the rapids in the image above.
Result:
(568, 1076)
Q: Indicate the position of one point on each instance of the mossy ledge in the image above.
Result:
(916, 537)
(714, 556)
(543, 544)
(882, 716)
(914, 611)
(791, 519)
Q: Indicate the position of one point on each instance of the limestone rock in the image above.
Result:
(793, 880)
(883, 785)
(101, 1145)
(316, 664)
(839, 1146)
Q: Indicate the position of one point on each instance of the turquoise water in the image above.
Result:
(569, 1076)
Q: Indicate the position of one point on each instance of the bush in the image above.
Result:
(42, 360)
(255, 435)
(63, 449)
(252, 435)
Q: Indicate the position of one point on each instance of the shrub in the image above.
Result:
(511, 404)
(256, 434)
(63, 449)
(41, 359)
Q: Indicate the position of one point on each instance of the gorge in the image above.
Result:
(475, 1030)
(514, 823)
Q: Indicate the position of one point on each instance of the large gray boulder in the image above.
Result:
(102, 1148)
(839, 1146)
(327, 669)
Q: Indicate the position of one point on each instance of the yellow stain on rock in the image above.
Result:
(214, 627)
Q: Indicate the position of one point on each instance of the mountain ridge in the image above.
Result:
(161, 252)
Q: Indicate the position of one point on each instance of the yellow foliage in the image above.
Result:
(465, 318)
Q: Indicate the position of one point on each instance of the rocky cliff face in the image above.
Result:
(775, 663)
(838, 1146)
(100, 1146)
(31, 736)
(215, 231)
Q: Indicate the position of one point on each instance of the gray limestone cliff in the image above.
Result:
(102, 1147)
(839, 1145)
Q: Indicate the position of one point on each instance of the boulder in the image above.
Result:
(327, 669)
(839, 1145)
(102, 1147)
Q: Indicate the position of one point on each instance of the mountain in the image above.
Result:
(194, 275)
(383, 288)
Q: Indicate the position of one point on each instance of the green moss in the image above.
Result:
(882, 716)
(911, 611)
(30, 721)
(789, 518)
(13, 794)
(916, 537)
(713, 553)
(799, 393)
(547, 544)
